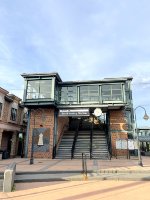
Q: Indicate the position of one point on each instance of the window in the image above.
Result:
(1, 109)
(89, 93)
(68, 94)
(13, 115)
(112, 92)
(39, 89)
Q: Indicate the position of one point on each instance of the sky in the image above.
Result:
(80, 39)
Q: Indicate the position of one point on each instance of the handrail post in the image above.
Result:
(91, 140)
(74, 142)
(84, 167)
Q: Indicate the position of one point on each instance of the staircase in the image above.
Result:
(82, 144)
(64, 149)
(99, 145)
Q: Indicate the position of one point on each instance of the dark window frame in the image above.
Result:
(1, 107)
(13, 114)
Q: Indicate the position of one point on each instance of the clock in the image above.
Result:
(97, 112)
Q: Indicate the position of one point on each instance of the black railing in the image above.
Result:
(106, 129)
(74, 141)
(91, 140)
(65, 127)
(84, 166)
(54, 151)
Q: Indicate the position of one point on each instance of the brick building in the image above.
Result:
(69, 118)
(12, 124)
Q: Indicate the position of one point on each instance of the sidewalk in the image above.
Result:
(75, 165)
(48, 173)
(113, 165)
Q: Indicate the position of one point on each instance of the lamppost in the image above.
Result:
(32, 147)
(145, 117)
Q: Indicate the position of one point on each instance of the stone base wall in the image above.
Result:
(118, 130)
(42, 118)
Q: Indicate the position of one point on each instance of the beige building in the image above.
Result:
(12, 125)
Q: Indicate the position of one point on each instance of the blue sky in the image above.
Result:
(80, 39)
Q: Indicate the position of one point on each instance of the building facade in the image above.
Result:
(12, 125)
(69, 118)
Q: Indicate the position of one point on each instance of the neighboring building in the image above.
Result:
(12, 124)
(65, 118)
(144, 138)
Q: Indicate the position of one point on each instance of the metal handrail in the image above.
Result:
(84, 166)
(74, 141)
(59, 140)
(108, 141)
(91, 140)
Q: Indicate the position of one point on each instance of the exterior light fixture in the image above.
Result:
(146, 117)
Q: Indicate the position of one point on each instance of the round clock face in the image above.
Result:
(97, 112)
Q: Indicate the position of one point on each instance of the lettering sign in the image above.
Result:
(126, 144)
(74, 112)
(121, 144)
(131, 144)
(118, 144)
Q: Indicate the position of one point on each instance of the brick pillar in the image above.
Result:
(118, 129)
(13, 145)
(44, 117)
(1, 134)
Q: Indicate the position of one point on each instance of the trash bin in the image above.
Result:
(136, 152)
(1, 154)
(5, 154)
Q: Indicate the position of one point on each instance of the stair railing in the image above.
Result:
(65, 127)
(84, 166)
(91, 140)
(74, 141)
(108, 141)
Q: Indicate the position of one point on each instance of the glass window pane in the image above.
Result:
(106, 87)
(89, 93)
(39, 89)
(106, 93)
(116, 97)
(116, 86)
(116, 92)
(33, 89)
(45, 88)
(68, 94)
(112, 92)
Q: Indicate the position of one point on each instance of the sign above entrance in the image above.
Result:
(74, 112)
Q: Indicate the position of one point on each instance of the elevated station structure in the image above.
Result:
(69, 118)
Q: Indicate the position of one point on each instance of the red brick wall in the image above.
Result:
(118, 129)
(48, 122)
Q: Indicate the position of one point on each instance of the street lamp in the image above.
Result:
(145, 117)
(32, 147)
